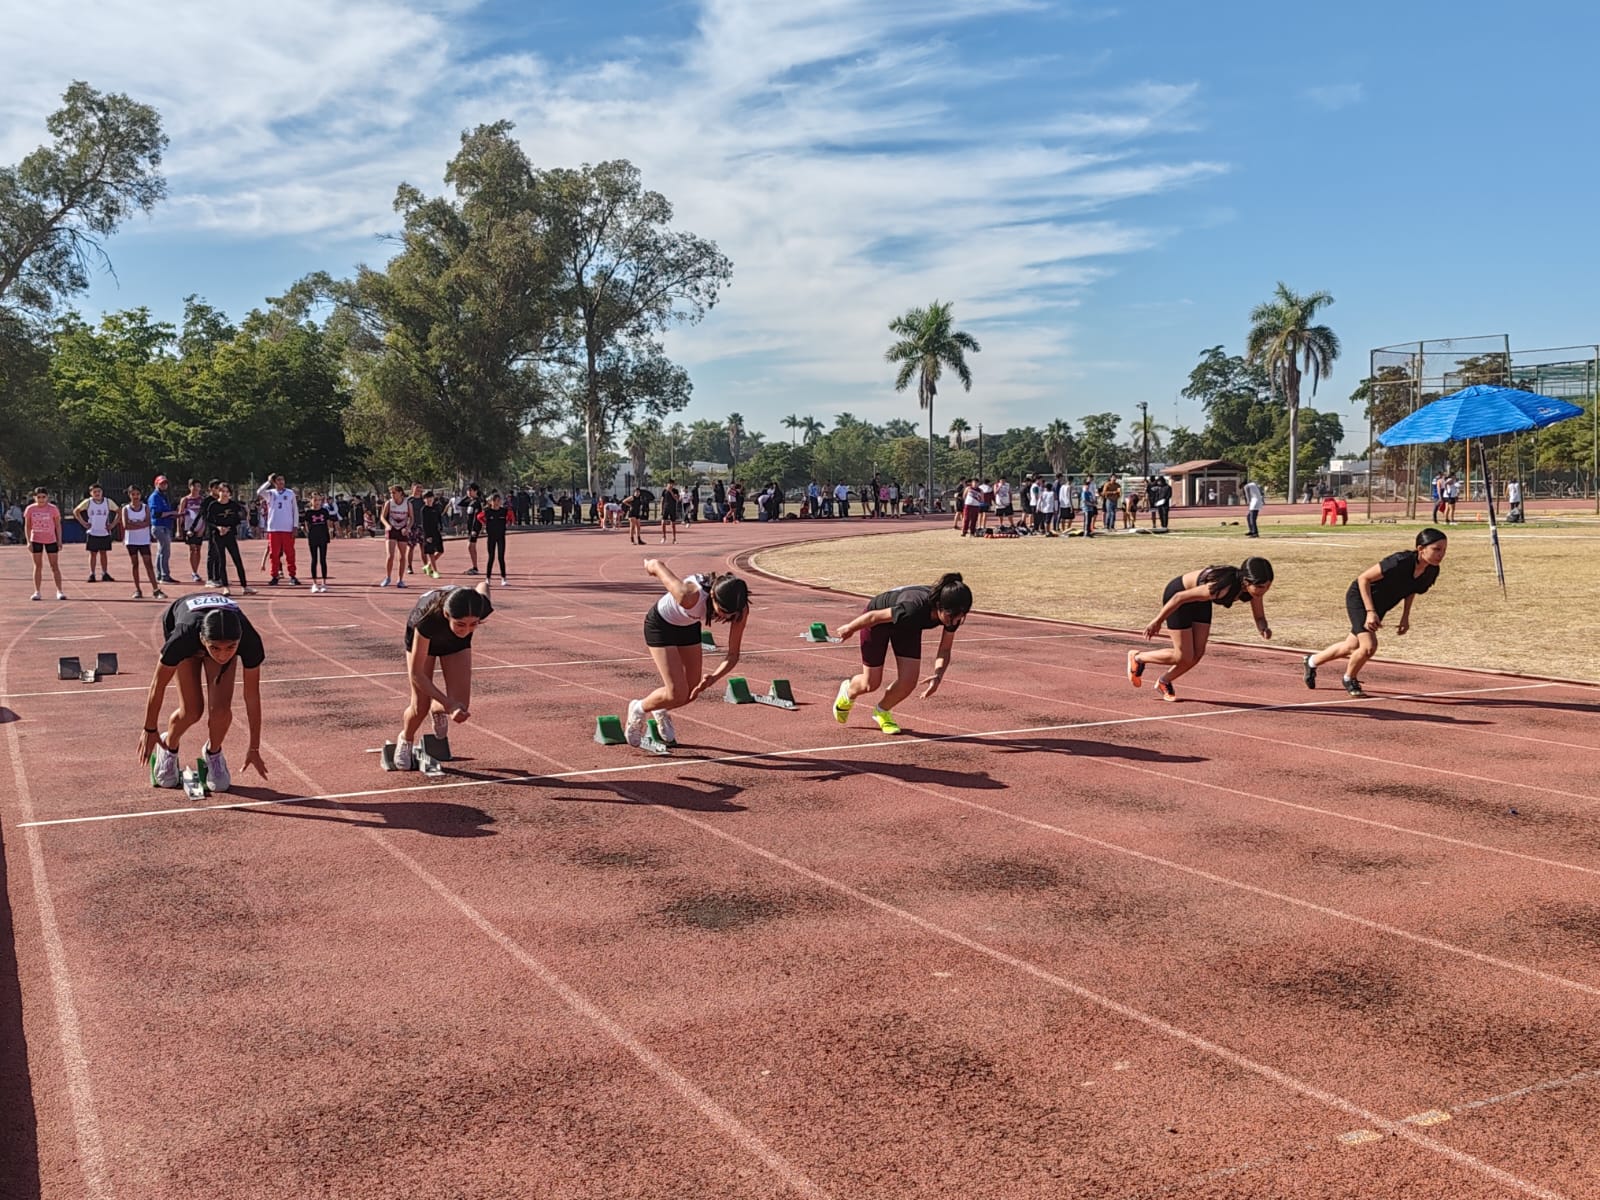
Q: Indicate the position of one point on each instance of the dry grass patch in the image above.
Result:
(1548, 624)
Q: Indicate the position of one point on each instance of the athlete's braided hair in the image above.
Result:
(221, 625)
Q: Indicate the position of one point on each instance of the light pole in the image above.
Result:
(980, 449)
(1144, 425)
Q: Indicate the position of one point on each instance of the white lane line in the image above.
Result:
(660, 763)
(75, 1059)
(86, 637)
(1548, 1085)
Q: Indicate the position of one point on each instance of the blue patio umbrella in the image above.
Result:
(1479, 411)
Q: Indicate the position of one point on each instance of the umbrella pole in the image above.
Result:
(1494, 526)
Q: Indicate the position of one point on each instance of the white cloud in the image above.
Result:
(1334, 96)
(830, 148)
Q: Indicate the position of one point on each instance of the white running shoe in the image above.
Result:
(217, 777)
(164, 769)
(35, 596)
(403, 760)
(61, 595)
(193, 578)
(669, 735)
(635, 728)
(386, 582)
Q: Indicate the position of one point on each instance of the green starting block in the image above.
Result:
(608, 731)
(708, 640)
(818, 632)
(653, 742)
(779, 695)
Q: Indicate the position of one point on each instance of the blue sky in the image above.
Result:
(1102, 190)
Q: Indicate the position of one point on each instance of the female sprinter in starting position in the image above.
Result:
(1187, 615)
(208, 641)
(896, 619)
(672, 634)
(439, 631)
(1398, 579)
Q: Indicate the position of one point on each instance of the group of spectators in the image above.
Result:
(1052, 504)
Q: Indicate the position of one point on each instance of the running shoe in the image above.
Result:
(61, 595)
(404, 760)
(159, 594)
(1353, 686)
(164, 769)
(504, 582)
(194, 578)
(634, 730)
(244, 591)
(1310, 671)
(669, 735)
(1135, 669)
(216, 770)
(35, 596)
(294, 581)
(470, 571)
(273, 582)
(92, 579)
(842, 703)
(885, 720)
(138, 594)
(386, 582)
(107, 579)
(1164, 689)
(222, 591)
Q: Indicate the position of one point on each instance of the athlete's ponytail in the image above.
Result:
(221, 625)
(952, 596)
(1256, 570)
(455, 603)
(729, 593)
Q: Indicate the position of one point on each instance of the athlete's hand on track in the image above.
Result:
(1153, 628)
(254, 759)
(930, 686)
(701, 686)
(147, 745)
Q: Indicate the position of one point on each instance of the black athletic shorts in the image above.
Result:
(433, 544)
(658, 631)
(1196, 612)
(96, 542)
(877, 640)
(1357, 609)
(45, 547)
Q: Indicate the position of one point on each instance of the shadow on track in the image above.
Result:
(432, 817)
(1080, 748)
(704, 796)
(19, 1151)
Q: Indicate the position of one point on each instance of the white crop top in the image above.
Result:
(674, 613)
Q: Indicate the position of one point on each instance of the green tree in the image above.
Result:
(792, 423)
(1020, 452)
(928, 344)
(1059, 446)
(1098, 450)
(625, 274)
(60, 202)
(736, 433)
(33, 445)
(811, 429)
(958, 431)
(1185, 445)
(1283, 340)
(898, 427)
(642, 436)
(787, 466)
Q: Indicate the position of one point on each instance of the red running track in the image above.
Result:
(1057, 940)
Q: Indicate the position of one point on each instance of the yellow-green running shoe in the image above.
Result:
(885, 721)
(843, 704)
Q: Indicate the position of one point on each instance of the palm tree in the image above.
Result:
(898, 427)
(811, 429)
(675, 435)
(735, 435)
(792, 423)
(1284, 341)
(641, 437)
(1058, 445)
(957, 428)
(926, 347)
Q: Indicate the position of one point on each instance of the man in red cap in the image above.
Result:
(163, 521)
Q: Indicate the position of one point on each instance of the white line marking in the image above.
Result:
(325, 628)
(87, 637)
(75, 1060)
(1548, 1085)
(656, 764)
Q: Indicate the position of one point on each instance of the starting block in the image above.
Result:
(436, 748)
(69, 668)
(818, 632)
(427, 763)
(194, 781)
(105, 664)
(608, 731)
(779, 695)
(652, 742)
(708, 641)
(388, 757)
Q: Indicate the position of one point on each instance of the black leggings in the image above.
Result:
(223, 545)
(496, 543)
(319, 554)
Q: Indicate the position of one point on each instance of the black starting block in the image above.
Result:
(71, 667)
(436, 748)
(427, 763)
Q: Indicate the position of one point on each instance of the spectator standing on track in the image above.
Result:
(135, 520)
(223, 517)
(841, 498)
(1110, 500)
(1089, 498)
(192, 527)
(98, 516)
(1186, 611)
(282, 511)
(207, 640)
(1438, 495)
(432, 534)
(1045, 508)
(669, 511)
(396, 519)
(319, 524)
(672, 630)
(493, 519)
(471, 506)
(439, 636)
(971, 508)
(1398, 579)
(896, 619)
(1451, 492)
(414, 530)
(1254, 499)
(163, 526)
(638, 508)
(42, 526)
(1004, 513)
(1160, 501)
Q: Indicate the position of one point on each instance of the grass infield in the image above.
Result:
(1547, 623)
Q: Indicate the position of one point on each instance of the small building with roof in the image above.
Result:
(1206, 481)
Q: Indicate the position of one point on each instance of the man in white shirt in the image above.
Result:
(1003, 511)
(1044, 509)
(1254, 499)
(841, 497)
(283, 518)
